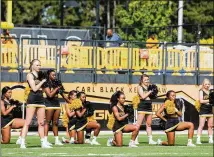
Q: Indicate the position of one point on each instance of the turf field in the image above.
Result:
(34, 150)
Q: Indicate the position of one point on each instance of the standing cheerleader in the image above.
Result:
(172, 112)
(205, 112)
(7, 120)
(69, 118)
(35, 103)
(92, 124)
(119, 121)
(53, 109)
(145, 106)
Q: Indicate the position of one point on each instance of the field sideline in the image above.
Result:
(34, 150)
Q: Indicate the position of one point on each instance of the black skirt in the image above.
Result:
(171, 124)
(72, 123)
(145, 105)
(119, 125)
(80, 124)
(6, 121)
(205, 109)
(36, 98)
(52, 103)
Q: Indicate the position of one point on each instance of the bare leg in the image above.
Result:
(48, 116)
(118, 139)
(6, 134)
(55, 122)
(131, 128)
(41, 121)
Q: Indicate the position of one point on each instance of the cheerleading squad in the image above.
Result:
(78, 114)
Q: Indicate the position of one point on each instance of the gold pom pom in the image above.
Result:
(111, 121)
(91, 119)
(26, 93)
(170, 107)
(135, 101)
(76, 104)
(197, 105)
(65, 120)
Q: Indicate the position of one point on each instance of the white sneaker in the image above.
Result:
(132, 144)
(93, 142)
(136, 142)
(211, 141)
(57, 142)
(72, 142)
(190, 145)
(44, 145)
(22, 146)
(198, 142)
(152, 142)
(109, 142)
(64, 140)
(48, 143)
(19, 141)
(159, 142)
(87, 141)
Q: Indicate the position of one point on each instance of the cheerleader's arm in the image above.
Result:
(116, 114)
(142, 95)
(80, 113)
(201, 98)
(50, 93)
(33, 86)
(5, 112)
(160, 111)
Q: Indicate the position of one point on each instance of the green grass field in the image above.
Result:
(34, 150)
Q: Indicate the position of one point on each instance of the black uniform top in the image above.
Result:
(7, 105)
(121, 113)
(37, 81)
(205, 96)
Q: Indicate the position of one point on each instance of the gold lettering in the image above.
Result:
(106, 114)
(99, 114)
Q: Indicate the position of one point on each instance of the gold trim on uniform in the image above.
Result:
(206, 115)
(120, 129)
(172, 128)
(55, 108)
(35, 105)
(8, 124)
(145, 112)
(82, 127)
(72, 127)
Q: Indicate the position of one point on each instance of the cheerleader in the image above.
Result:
(205, 112)
(68, 118)
(7, 120)
(53, 109)
(120, 122)
(172, 112)
(145, 107)
(35, 103)
(91, 123)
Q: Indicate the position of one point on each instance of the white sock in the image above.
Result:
(198, 137)
(20, 137)
(150, 137)
(46, 138)
(22, 140)
(42, 140)
(95, 138)
(131, 141)
(72, 139)
(56, 138)
(210, 137)
(189, 140)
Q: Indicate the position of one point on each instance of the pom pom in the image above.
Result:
(26, 93)
(76, 104)
(65, 120)
(197, 105)
(211, 96)
(135, 101)
(111, 121)
(154, 90)
(170, 107)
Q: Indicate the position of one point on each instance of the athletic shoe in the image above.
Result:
(87, 141)
(211, 141)
(64, 140)
(159, 142)
(109, 142)
(198, 142)
(72, 142)
(132, 144)
(44, 145)
(57, 142)
(136, 142)
(190, 145)
(22, 146)
(152, 142)
(48, 143)
(93, 142)
(19, 141)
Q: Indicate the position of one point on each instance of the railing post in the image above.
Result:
(128, 65)
(197, 67)
(164, 62)
(21, 66)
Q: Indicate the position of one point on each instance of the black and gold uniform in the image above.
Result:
(120, 125)
(51, 102)
(171, 116)
(35, 99)
(145, 105)
(205, 109)
(8, 119)
(81, 122)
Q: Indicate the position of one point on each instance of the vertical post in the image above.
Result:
(62, 12)
(97, 18)
(180, 20)
(9, 11)
(198, 56)
(165, 63)
(108, 14)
